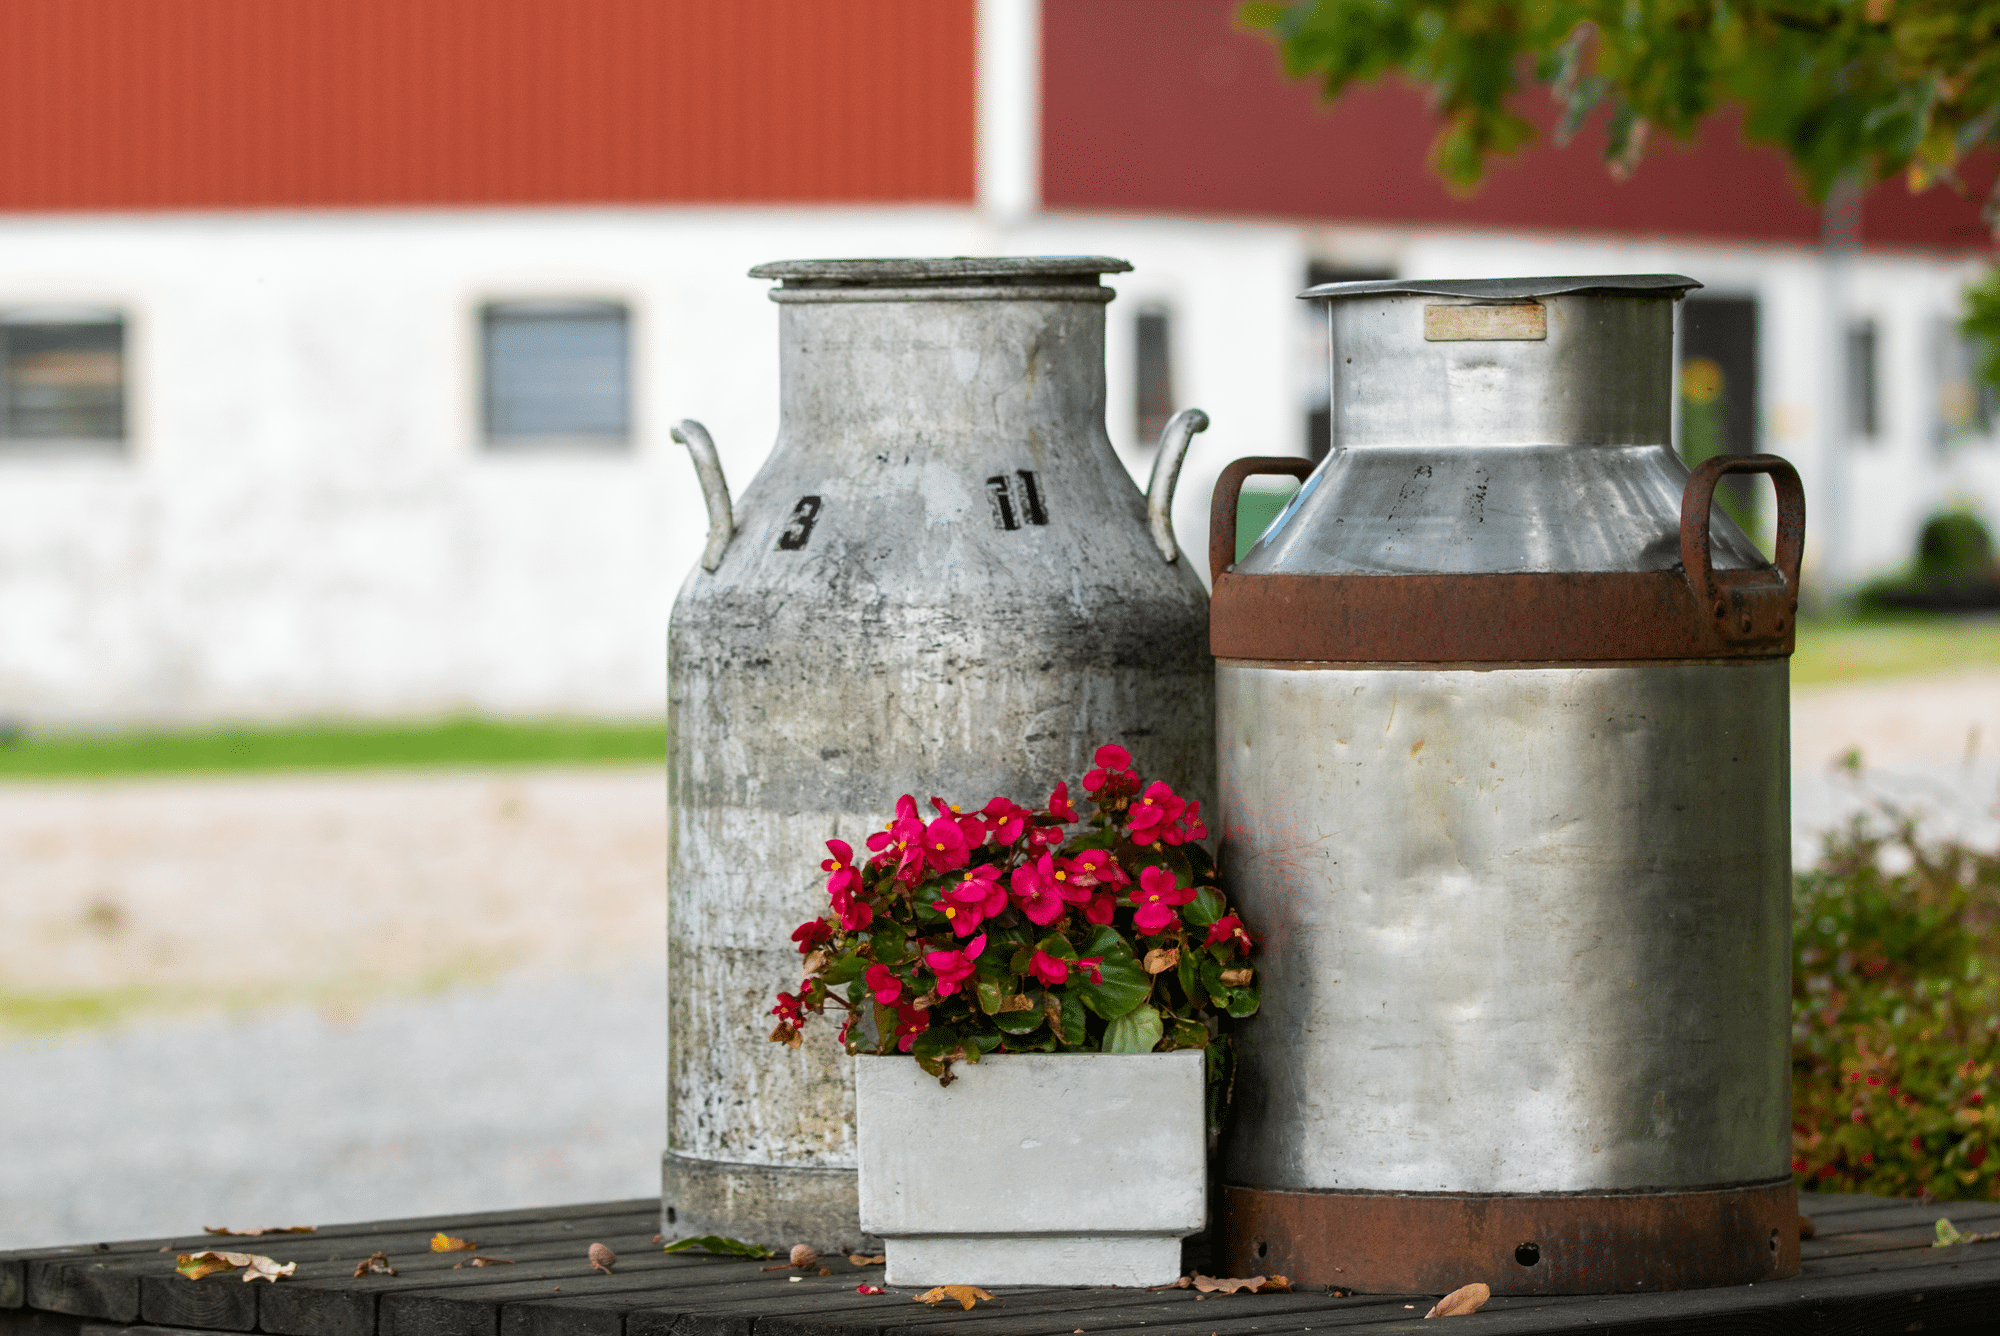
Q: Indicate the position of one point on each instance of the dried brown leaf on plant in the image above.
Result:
(867, 1259)
(1465, 1299)
(1162, 958)
(268, 1229)
(1018, 1002)
(1238, 978)
(602, 1258)
(376, 1264)
(443, 1242)
(964, 1295)
(253, 1265)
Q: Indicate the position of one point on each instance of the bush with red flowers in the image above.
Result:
(1896, 1016)
(1030, 930)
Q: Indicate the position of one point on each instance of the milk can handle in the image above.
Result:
(1222, 510)
(714, 490)
(1699, 497)
(1180, 429)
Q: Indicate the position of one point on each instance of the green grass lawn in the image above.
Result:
(1851, 651)
(332, 746)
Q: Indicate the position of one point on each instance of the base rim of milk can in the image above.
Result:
(1530, 1243)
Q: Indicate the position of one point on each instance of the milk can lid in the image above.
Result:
(1510, 289)
(944, 269)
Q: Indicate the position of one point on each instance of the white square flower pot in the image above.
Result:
(1033, 1168)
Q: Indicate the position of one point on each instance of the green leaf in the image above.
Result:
(993, 982)
(1022, 1022)
(1075, 1025)
(888, 941)
(1189, 974)
(1057, 945)
(1125, 985)
(1206, 907)
(1244, 1001)
(846, 969)
(1211, 980)
(1046, 1044)
(1947, 1233)
(1218, 1076)
(1187, 1034)
(980, 1042)
(719, 1245)
(934, 1050)
(1137, 1031)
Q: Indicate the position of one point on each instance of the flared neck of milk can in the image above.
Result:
(940, 356)
(1071, 278)
(1582, 360)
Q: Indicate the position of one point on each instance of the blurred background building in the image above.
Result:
(340, 339)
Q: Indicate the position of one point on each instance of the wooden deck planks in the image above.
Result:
(1870, 1269)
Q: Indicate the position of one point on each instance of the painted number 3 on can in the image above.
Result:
(1002, 496)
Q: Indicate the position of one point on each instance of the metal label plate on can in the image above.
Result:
(1515, 321)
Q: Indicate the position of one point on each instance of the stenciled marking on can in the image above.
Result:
(1001, 496)
(804, 515)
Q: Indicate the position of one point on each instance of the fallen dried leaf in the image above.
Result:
(483, 1261)
(1162, 958)
(803, 1256)
(268, 1229)
(1253, 1284)
(253, 1265)
(865, 1288)
(1806, 1227)
(965, 1295)
(866, 1259)
(443, 1242)
(658, 1238)
(816, 963)
(376, 1264)
(716, 1243)
(602, 1258)
(1465, 1299)
(1237, 978)
(786, 1033)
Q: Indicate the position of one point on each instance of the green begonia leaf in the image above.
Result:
(1020, 1022)
(993, 982)
(1244, 1001)
(935, 1048)
(846, 969)
(1137, 1031)
(1187, 1034)
(1075, 1025)
(887, 941)
(1125, 986)
(1206, 907)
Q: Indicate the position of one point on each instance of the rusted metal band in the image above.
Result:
(1538, 616)
(1552, 1244)
(1690, 612)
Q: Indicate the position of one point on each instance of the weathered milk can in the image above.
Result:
(941, 582)
(1503, 773)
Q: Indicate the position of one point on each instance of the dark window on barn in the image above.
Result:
(557, 372)
(1864, 384)
(62, 377)
(1153, 371)
(1718, 400)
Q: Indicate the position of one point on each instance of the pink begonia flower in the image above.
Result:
(976, 898)
(1101, 910)
(1092, 968)
(954, 967)
(1006, 819)
(1156, 897)
(1155, 809)
(1228, 930)
(1049, 970)
(1036, 892)
(1060, 807)
(1114, 774)
(1090, 869)
(1189, 828)
(844, 888)
(945, 847)
(882, 982)
(812, 935)
(910, 1022)
(900, 843)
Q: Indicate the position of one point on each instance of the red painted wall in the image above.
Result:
(1164, 105)
(123, 104)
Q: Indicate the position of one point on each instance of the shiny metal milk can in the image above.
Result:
(941, 582)
(1504, 778)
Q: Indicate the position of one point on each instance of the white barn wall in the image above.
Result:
(307, 524)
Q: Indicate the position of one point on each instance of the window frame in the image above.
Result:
(53, 315)
(493, 310)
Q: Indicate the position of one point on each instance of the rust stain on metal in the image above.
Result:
(1628, 1242)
